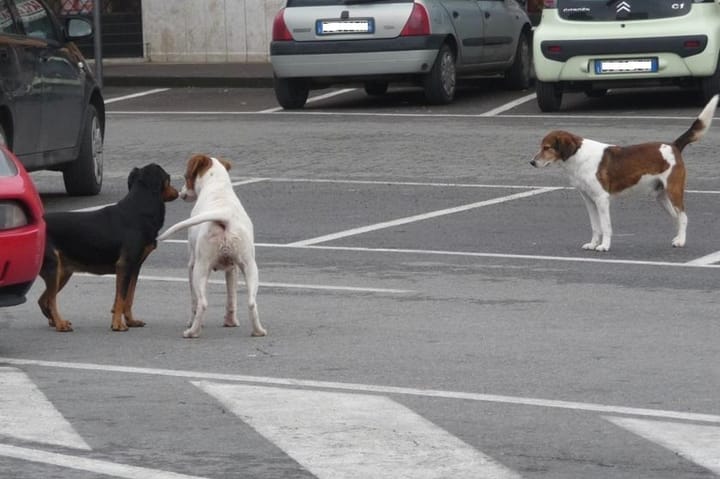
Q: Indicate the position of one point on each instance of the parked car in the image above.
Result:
(318, 43)
(593, 45)
(22, 230)
(52, 113)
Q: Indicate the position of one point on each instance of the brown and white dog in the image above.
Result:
(220, 237)
(600, 170)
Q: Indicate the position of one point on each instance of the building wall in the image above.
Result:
(208, 31)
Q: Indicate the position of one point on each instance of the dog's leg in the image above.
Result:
(602, 203)
(231, 275)
(122, 281)
(199, 281)
(130, 296)
(677, 214)
(193, 296)
(250, 271)
(594, 222)
(55, 277)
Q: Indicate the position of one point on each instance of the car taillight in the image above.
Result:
(280, 32)
(12, 215)
(418, 23)
(550, 3)
(692, 44)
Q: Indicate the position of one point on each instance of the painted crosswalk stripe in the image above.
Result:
(347, 436)
(698, 443)
(26, 414)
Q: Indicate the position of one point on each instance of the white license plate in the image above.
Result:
(636, 65)
(334, 27)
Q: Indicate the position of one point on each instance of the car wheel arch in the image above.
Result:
(6, 123)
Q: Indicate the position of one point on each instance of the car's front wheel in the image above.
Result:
(549, 96)
(83, 177)
(439, 83)
(291, 93)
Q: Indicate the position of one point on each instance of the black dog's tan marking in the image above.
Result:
(113, 240)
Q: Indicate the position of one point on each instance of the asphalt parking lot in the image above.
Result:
(429, 308)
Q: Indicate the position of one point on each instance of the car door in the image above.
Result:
(19, 85)
(500, 30)
(467, 21)
(61, 73)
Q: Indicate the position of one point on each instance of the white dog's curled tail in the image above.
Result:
(218, 216)
(700, 126)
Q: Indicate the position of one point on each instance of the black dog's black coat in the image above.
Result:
(113, 240)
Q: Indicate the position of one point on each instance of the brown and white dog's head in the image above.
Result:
(199, 169)
(556, 146)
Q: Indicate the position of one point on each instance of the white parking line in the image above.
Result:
(420, 217)
(89, 465)
(706, 260)
(135, 95)
(370, 388)
(317, 287)
(313, 99)
(509, 106)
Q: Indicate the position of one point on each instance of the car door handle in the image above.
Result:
(487, 14)
(455, 14)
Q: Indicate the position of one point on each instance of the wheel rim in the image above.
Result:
(447, 73)
(97, 149)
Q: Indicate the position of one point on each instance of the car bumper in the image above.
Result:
(20, 261)
(404, 55)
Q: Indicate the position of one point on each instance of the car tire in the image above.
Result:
(83, 177)
(440, 82)
(517, 77)
(549, 96)
(376, 88)
(291, 93)
(709, 86)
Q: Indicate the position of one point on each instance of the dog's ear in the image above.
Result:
(567, 144)
(133, 177)
(225, 163)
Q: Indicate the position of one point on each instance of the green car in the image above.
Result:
(593, 45)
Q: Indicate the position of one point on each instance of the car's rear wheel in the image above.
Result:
(291, 93)
(376, 88)
(517, 77)
(83, 177)
(710, 86)
(439, 83)
(549, 96)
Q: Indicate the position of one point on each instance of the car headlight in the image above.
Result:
(12, 215)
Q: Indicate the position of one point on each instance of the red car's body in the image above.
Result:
(22, 230)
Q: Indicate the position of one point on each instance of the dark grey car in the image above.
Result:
(52, 113)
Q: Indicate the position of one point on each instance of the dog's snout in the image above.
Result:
(533, 162)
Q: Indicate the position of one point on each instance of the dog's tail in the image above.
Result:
(700, 126)
(218, 216)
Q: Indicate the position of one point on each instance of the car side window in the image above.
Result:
(35, 19)
(7, 24)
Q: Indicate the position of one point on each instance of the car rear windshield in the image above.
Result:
(322, 3)
(619, 10)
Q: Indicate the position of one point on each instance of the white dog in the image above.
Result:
(599, 170)
(220, 237)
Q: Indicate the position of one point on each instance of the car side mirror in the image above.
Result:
(78, 28)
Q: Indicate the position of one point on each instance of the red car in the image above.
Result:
(22, 230)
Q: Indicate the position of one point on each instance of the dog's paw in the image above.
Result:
(62, 326)
(134, 323)
(231, 321)
(590, 246)
(602, 248)
(190, 333)
(678, 243)
(258, 333)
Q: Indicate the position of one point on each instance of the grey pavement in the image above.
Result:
(137, 73)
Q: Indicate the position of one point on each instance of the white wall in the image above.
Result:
(208, 31)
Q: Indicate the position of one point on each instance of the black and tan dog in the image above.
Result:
(113, 240)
